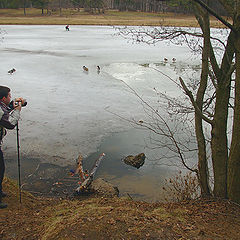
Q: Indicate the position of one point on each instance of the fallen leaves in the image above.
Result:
(105, 218)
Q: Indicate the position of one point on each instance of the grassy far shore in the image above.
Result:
(111, 17)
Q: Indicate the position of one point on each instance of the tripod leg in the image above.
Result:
(19, 167)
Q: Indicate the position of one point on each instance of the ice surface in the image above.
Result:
(66, 112)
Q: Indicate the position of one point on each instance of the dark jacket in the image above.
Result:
(8, 119)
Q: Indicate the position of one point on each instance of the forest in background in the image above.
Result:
(99, 6)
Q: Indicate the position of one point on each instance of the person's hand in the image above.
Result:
(19, 99)
(17, 105)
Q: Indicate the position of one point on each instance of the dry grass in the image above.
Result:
(182, 187)
(117, 218)
(111, 17)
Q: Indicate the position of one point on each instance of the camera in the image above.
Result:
(24, 103)
(14, 104)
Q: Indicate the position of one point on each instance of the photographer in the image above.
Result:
(9, 117)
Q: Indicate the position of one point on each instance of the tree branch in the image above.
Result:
(169, 134)
(189, 94)
(223, 21)
(229, 73)
(88, 180)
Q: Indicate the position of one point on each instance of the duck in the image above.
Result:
(85, 68)
(165, 59)
(174, 60)
(12, 71)
(98, 69)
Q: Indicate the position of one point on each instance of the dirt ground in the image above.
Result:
(96, 217)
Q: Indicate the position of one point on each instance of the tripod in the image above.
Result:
(19, 169)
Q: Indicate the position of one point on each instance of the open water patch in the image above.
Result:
(144, 183)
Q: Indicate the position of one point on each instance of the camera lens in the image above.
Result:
(24, 104)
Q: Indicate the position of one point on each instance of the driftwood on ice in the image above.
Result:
(86, 177)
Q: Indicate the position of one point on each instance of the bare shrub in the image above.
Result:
(181, 187)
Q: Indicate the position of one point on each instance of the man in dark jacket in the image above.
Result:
(8, 120)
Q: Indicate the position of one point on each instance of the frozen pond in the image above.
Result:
(66, 112)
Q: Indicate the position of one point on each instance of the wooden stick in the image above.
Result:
(79, 169)
(85, 184)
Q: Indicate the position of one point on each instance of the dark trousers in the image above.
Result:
(2, 169)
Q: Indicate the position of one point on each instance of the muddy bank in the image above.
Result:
(44, 179)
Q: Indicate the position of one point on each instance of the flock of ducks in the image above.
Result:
(85, 69)
(12, 71)
(173, 60)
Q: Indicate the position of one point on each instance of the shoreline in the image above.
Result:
(49, 179)
(109, 18)
(63, 22)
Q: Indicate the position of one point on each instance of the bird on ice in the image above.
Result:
(85, 68)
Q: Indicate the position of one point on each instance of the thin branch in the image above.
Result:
(171, 135)
(229, 73)
(189, 94)
(213, 79)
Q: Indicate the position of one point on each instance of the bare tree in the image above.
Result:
(211, 108)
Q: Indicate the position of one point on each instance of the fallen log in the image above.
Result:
(85, 177)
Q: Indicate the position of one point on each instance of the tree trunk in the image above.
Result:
(60, 8)
(219, 141)
(202, 157)
(24, 7)
(234, 157)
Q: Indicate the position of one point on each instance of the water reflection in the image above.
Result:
(144, 183)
